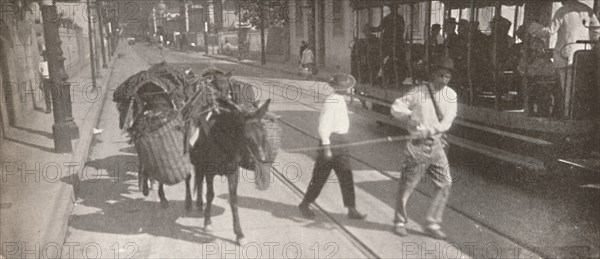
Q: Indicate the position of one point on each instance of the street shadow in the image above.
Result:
(113, 209)
(291, 212)
(42, 148)
(118, 167)
(34, 131)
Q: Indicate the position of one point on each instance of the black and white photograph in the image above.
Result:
(447, 129)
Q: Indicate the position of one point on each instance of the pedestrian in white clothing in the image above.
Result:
(333, 127)
(46, 84)
(308, 61)
(572, 22)
(428, 110)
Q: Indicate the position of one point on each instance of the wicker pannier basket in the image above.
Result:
(161, 153)
(262, 170)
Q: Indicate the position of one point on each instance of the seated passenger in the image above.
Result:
(504, 41)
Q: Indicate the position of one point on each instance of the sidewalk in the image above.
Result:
(38, 185)
(277, 66)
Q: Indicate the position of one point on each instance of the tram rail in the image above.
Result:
(473, 218)
(364, 248)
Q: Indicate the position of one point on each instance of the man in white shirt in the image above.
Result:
(333, 127)
(426, 155)
(46, 84)
(572, 22)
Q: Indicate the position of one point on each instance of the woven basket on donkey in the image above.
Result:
(262, 170)
(161, 153)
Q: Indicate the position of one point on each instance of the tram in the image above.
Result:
(510, 105)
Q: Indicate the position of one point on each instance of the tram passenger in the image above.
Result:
(504, 40)
(480, 58)
(436, 40)
(459, 52)
(572, 22)
(429, 117)
(333, 128)
(365, 57)
(436, 35)
(393, 48)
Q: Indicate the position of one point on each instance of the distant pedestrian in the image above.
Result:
(46, 85)
(428, 110)
(333, 128)
(303, 46)
(308, 62)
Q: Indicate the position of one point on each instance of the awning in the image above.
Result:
(361, 4)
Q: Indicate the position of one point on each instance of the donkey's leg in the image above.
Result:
(143, 181)
(145, 188)
(232, 182)
(188, 193)
(161, 194)
(199, 182)
(210, 195)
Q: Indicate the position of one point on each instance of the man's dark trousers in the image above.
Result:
(340, 163)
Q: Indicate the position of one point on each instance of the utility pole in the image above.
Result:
(92, 47)
(64, 128)
(239, 30)
(263, 54)
(101, 29)
(183, 23)
(205, 19)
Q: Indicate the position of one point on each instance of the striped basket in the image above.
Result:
(274, 134)
(262, 170)
(161, 153)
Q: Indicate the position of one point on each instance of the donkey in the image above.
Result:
(220, 152)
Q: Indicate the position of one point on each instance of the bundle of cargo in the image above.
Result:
(149, 104)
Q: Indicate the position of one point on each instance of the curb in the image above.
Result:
(283, 71)
(66, 196)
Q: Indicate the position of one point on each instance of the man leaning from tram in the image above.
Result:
(572, 22)
(428, 110)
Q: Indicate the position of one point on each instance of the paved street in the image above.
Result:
(495, 210)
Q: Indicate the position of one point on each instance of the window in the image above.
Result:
(338, 17)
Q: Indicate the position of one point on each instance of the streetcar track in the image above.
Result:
(361, 246)
(532, 249)
(365, 249)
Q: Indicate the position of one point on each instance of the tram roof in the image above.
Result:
(360, 4)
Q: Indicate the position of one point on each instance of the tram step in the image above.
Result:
(500, 154)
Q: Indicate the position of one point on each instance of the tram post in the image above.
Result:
(427, 37)
(496, 72)
(470, 55)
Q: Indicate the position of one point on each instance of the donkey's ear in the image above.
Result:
(229, 74)
(263, 109)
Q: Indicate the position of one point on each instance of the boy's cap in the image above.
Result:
(451, 20)
(443, 63)
(342, 82)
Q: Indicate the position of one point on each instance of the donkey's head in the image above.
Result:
(251, 131)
